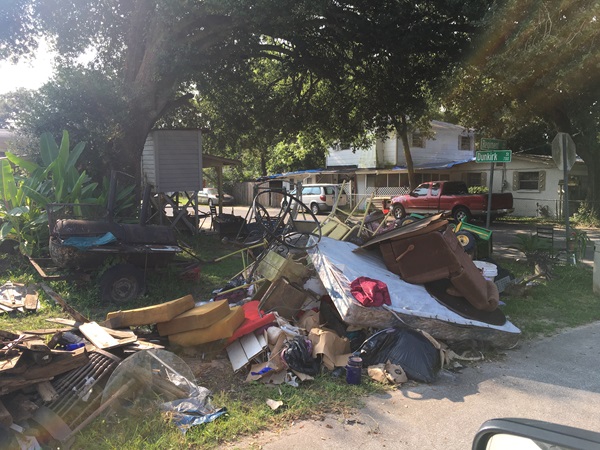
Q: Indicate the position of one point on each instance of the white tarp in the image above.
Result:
(338, 263)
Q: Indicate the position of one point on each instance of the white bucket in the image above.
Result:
(489, 270)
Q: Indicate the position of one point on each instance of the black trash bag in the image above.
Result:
(298, 356)
(407, 348)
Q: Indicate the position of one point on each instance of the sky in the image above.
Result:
(27, 74)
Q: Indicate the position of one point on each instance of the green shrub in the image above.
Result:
(587, 215)
(27, 188)
(478, 190)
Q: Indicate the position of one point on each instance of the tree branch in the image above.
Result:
(177, 103)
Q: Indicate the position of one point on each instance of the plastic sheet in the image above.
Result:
(194, 410)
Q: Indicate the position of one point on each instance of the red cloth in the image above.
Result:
(370, 292)
(253, 320)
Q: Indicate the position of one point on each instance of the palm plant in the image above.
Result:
(538, 252)
(27, 188)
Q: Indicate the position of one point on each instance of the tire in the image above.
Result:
(314, 208)
(398, 211)
(467, 240)
(122, 283)
(461, 213)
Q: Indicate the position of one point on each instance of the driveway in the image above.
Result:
(554, 379)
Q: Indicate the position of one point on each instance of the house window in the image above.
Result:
(529, 181)
(370, 180)
(393, 180)
(404, 179)
(464, 142)
(474, 179)
(418, 140)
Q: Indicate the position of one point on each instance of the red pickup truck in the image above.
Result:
(450, 196)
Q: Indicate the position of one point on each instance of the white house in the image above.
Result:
(534, 180)
(450, 143)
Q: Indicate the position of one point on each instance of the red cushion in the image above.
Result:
(253, 320)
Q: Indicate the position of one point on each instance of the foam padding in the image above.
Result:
(199, 317)
(150, 314)
(223, 329)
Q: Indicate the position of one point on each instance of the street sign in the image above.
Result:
(558, 143)
(493, 156)
(492, 144)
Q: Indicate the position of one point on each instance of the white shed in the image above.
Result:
(172, 160)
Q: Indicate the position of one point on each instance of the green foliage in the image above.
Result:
(567, 300)
(580, 241)
(478, 190)
(538, 251)
(27, 188)
(513, 87)
(587, 216)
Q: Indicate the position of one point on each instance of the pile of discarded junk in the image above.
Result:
(354, 295)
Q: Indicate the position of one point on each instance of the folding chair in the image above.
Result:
(213, 217)
(546, 233)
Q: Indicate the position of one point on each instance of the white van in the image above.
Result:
(320, 197)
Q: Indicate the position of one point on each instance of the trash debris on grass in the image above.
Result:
(392, 309)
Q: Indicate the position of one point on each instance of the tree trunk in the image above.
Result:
(402, 129)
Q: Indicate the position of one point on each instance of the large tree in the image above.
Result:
(537, 68)
(343, 65)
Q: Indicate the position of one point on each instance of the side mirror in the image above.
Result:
(511, 433)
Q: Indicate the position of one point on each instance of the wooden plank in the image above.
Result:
(11, 304)
(67, 322)
(118, 334)
(140, 345)
(61, 301)
(97, 336)
(46, 391)
(31, 302)
(44, 331)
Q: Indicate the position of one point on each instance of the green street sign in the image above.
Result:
(493, 156)
(492, 144)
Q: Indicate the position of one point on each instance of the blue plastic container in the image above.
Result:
(354, 370)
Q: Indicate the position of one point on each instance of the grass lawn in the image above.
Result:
(540, 309)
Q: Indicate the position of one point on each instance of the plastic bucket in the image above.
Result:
(489, 270)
